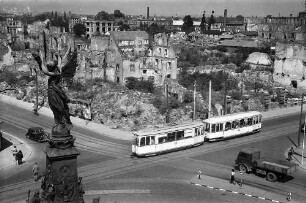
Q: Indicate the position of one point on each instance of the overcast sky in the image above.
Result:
(166, 7)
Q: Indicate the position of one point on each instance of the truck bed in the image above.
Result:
(280, 166)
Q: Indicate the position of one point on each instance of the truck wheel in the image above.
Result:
(271, 177)
(243, 168)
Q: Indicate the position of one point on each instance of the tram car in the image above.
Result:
(172, 138)
(166, 139)
(232, 125)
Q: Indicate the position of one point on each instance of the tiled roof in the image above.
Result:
(129, 35)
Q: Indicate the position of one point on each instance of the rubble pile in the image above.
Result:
(125, 109)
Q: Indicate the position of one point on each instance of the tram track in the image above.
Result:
(123, 165)
(118, 166)
(84, 142)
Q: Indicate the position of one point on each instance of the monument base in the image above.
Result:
(61, 171)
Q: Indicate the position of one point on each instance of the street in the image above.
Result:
(105, 164)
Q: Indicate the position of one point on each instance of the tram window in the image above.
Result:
(142, 141)
(179, 135)
(259, 118)
(228, 126)
(171, 137)
(206, 127)
(148, 140)
(256, 119)
(152, 140)
(250, 121)
(213, 128)
(221, 126)
(196, 132)
(242, 123)
(217, 127)
(162, 140)
(235, 124)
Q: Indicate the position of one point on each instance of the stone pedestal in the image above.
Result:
(61, 166)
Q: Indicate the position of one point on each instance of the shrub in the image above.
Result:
(9, 77)
(143, 86)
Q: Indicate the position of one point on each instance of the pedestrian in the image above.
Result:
(232, 181)
(290, 154)
(19, 157)
(14, 152)
(35, 198)
(35, 170)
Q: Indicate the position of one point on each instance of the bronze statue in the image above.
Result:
(57, 98)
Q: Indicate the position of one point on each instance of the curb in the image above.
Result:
(234, 192)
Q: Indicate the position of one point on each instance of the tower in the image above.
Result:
(148, 12)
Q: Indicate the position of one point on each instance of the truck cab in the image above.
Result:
(245, 159)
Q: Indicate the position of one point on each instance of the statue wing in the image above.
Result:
(70, 64)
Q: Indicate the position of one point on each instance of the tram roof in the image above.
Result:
(168, 128)
(230, 117)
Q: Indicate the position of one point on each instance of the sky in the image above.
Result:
(164, 7)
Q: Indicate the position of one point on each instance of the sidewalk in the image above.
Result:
(6, 155)
(224, 186)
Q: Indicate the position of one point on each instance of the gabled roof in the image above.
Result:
(129, 35)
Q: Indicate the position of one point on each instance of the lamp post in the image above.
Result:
(301, 115)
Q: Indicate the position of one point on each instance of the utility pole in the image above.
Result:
(209, 100)
(194, 99)
(167, 115)
(301, 115)
(36, 81)
(225, 91)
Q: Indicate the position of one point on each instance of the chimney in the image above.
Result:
(148, 12)
(225, 17)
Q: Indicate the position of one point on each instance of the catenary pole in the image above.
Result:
(300, 124)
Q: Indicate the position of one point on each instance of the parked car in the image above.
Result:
(37, 134)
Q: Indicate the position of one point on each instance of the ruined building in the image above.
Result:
(125, 54)
(289, 65)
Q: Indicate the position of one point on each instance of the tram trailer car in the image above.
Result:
(250, 160)
(232, 125)
(171, 138)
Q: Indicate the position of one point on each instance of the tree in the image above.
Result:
(118, 14)
(239, 18)
(79, 30)
(102, 15)
(187, 26)
(123, 26)
(211, 20)
(203, 23)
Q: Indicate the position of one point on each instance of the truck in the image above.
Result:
(250, 160)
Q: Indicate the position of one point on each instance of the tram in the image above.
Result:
(232, 125)
(170, 138)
